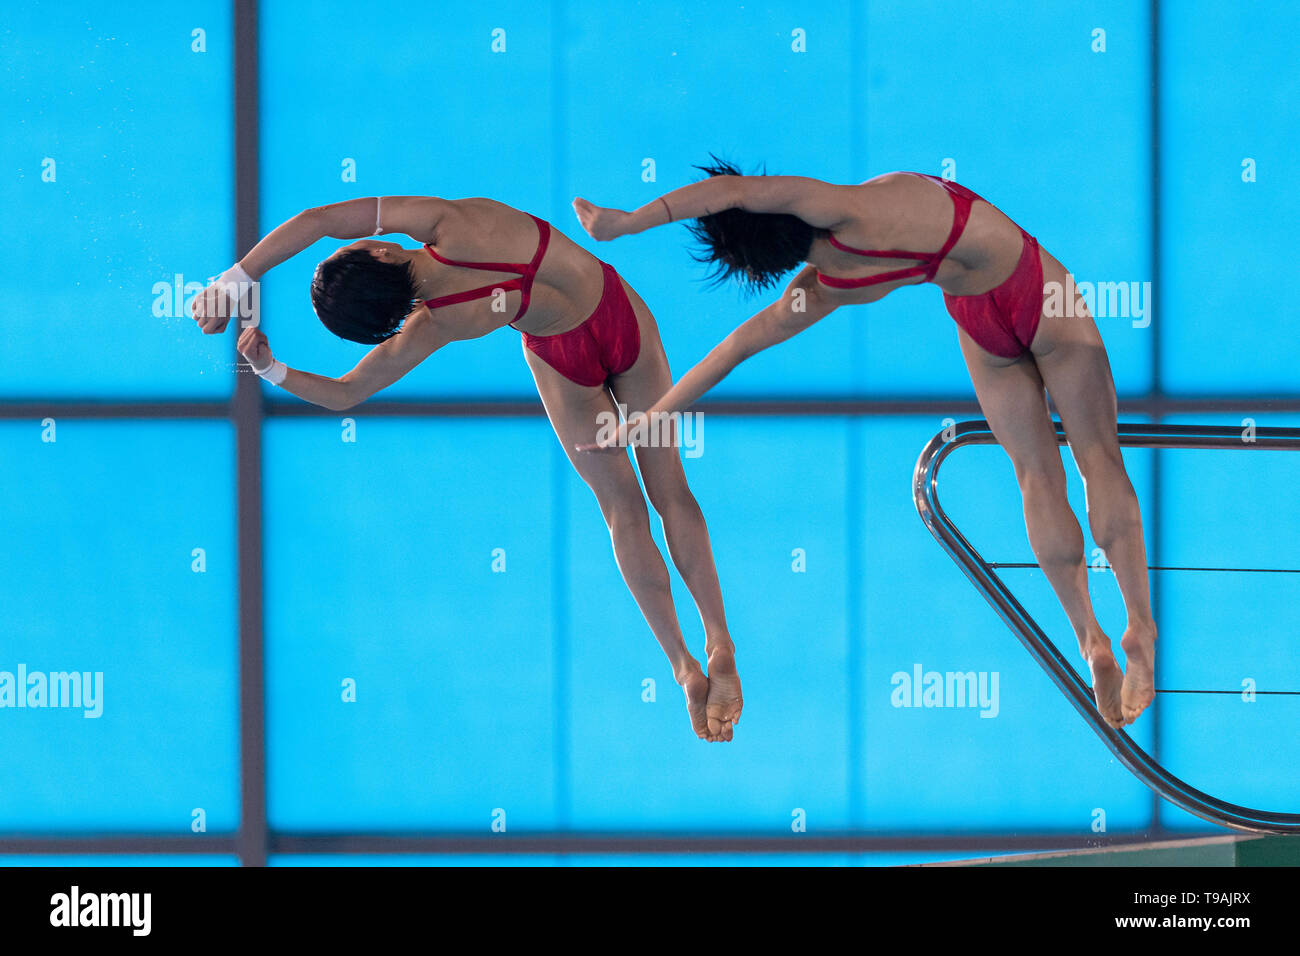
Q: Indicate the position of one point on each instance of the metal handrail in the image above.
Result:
(925, 492)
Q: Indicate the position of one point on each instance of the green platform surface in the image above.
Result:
(1209, 851)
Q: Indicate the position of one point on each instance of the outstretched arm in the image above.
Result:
(817, 203)
(416, 216)
(802, 305)
(422, 334)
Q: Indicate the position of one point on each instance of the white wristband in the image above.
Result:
(274, 373)
(237, 285)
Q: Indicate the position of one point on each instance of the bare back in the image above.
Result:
(568, 283)
(905, 212)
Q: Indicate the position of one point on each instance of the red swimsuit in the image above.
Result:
(606, 344)
(1001, 321)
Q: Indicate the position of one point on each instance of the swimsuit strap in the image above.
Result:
(881, 253)
(962, 200)
(928, 265)
(523, 282)
(841, 282)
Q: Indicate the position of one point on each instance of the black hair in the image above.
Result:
(755, 248)
(361, 298)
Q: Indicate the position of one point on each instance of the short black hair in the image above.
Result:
(755, 248)
(361, 298)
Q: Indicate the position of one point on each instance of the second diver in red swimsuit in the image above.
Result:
(850, 241)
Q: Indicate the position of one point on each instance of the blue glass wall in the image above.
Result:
(1229, 631)
(116, 142)
(1229, 116)
(118, 565)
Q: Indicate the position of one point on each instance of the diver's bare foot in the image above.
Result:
(725, 701)
(1139, 643)
(1107, 680)
(696, 687)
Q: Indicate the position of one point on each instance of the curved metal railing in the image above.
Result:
(982, 575)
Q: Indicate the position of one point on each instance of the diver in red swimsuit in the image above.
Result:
(411, 302)
(992, 273)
